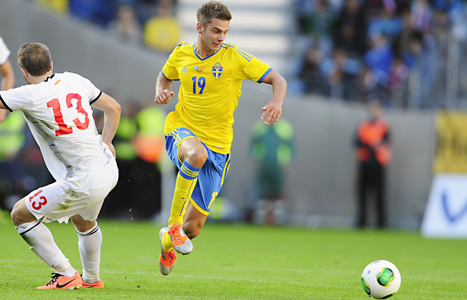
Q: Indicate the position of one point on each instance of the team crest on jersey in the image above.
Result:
(217, 70)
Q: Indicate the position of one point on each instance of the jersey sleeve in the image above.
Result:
(249, 67)
(93, 92)
(4, 52)
(17, 98)
(170, 68)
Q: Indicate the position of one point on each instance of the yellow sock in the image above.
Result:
(184, 185)
(167, 242)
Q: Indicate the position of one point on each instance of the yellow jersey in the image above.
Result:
(209, 91)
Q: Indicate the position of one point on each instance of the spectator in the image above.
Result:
(149, 144)
(372, 141)
(421, 15)
(60, 6)
(350, 29)
(272, 149)
(318, 26)
(397, 81)
(310, 73)
(374, 76)
(378, 59)
(12, 139)
(122, 199)
(11, 132)
(401, 41)
(162, 32)
(340, 73)
(126, 25)
(385, 23)
(98, 12)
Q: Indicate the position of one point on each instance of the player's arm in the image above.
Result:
(8, 82)
(272, 111)
(8, 76)
(3, 112)
(163, 89)
(112, 111)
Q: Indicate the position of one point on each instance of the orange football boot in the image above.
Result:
(60, 281)
(166, 259)
(180, 240)
(97, 285)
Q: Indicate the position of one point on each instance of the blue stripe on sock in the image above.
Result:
(188, 172)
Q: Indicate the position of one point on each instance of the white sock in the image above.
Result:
(42, 243)
(90, 251)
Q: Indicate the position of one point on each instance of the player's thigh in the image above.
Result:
(51, 202)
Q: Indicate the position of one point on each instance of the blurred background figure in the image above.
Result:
(6, 70)
(162, 32)
(60, 6)
(139, 146)
(98, 12)
(340, 75)
(126, 25)
(121, 199)
(318, 26)
(11, 132)
(12, 139)
(350, 29)
(374, 155)
(272, 148)
(149, 144)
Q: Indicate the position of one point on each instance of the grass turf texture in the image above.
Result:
(242, 262)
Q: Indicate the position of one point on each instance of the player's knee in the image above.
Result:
(15, 216)
(192, 229)
(197, 157)
(19, 215)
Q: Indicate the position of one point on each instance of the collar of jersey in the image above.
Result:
(194, 51)
(50, 77)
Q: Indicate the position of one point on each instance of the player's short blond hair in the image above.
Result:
(213, 9)
(35, 58)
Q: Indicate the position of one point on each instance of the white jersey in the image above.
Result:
(58, 112)
(4, 52)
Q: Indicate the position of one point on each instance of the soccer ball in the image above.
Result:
(381, 279)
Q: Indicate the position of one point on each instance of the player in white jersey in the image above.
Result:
(6, 71)
(57, 108)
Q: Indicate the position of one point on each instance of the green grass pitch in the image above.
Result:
(242, 262)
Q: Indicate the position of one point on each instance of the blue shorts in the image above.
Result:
(211, 175)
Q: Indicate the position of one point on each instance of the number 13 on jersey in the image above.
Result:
(63, 128)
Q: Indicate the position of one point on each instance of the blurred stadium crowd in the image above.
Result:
(406, 53)
(148, 22)
(396, 50)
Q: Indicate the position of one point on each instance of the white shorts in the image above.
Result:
(82, 194)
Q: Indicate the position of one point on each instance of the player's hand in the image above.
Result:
(112, 149)
(271, 113)
(163, 97)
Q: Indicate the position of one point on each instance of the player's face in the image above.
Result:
(213, 34)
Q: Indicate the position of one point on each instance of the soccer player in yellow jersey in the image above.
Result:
(199, 132)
